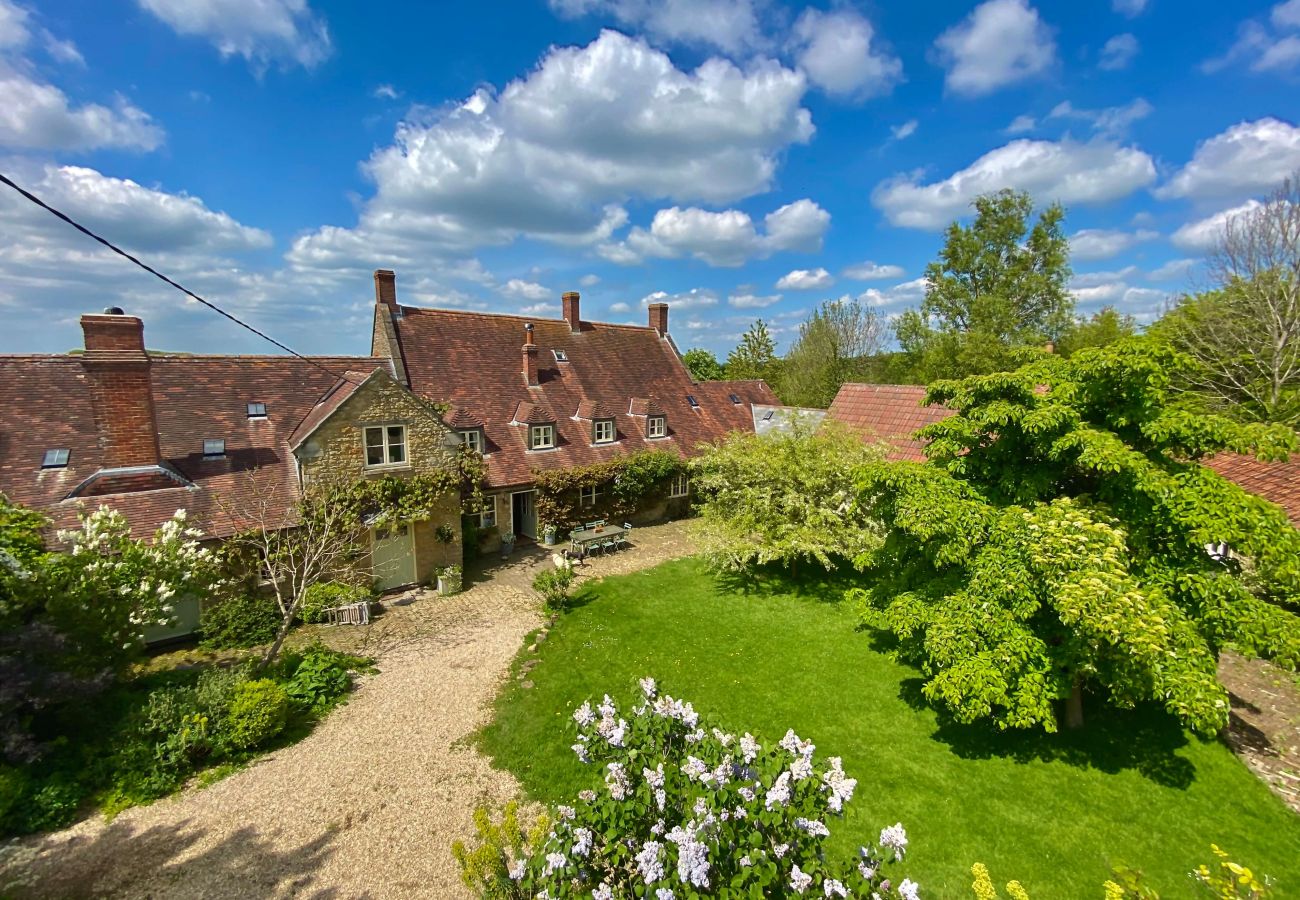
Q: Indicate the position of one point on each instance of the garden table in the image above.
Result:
(584, 539)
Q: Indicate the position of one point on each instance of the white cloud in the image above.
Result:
(805, 280)
(1102, 243)
(1203, 234)
(1286, 15)
(1264, 43)
(1248, 157)
(1129, 8)
(836, 50)
(385, 92)
(13, 25)
(1111, 121)
(869, 271)
(729, 25)
(589, 280)
(1068, 171)
(1021, 124)
(620, 307)
(556, 153)
(903, 131)
(726, 238)
(908, 293)
(519, 289)
(695, 298)
(551, 310)
(1174, 270)
(1118, 52)
(752, 301)
(1000, 43)
(261, 31)
(1098, 289)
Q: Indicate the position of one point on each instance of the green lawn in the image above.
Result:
(1053, 811)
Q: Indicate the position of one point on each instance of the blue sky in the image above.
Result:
(738, 158)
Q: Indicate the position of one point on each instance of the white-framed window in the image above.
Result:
(487, 515)
(256, 410)
(214, 448)
(589, 496)
(385, 445)
(656, 426)
(603, 431)
(680, 487)
(55, 459)
(541, 437)
(473, 439)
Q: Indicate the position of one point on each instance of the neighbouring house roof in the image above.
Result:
(892, 413)
(887, 412)
(779, 419)
(45, 403)
(473, 361)
(339, 393)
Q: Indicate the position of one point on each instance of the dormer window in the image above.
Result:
(472, 438)
(214, 448)
(541, 437)
(55, 459)
(656, 426)
(257, 410)
(385, 445)
(602, 431)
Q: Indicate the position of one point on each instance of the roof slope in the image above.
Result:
(45, 403)
(474, 362)
(1275, 481)
(887, 412)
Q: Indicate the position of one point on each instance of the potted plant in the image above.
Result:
(449, 580)
(549, 535)
(507, 544)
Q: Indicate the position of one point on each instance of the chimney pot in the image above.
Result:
(659, 318)
(386, 289)
(572, 316)
(114, 311)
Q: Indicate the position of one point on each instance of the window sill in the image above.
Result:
(386, 467)
(542, 449)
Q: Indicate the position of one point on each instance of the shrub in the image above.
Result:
(239, 621)
(54, 804)
(258, 712)
(554, 585)
(689, 808)
(321, 676)
(326, 595)
(15, 784)
(451, 577)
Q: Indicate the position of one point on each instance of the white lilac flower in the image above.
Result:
(793, 744)
(654, 777)
(583, 714)
(779, 793)
(692, 857)
(555, 862)
(580, 749)
(781, 850)
(895, 838)
(722, 774)
(661, 798)
(801, 768)
(582, 841)
(747, 793)
(746, 862)
(749, 748)
(812, 826)
(694, 768)
(566, 812)
(694, 737)
(868, 871)
(611, 732)
(649, 863)
(607, 708)
(648, 688)
(833, 888)
(664, 894)
(616, 781)
(587, 796)
(840, 785)
(701, 808)
(799, 882)
(602, 892)
(740, 813)
(722, 737)
(516, 869)
(658, 828)
(909, 890)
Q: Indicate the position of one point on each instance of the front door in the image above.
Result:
(524, 514)
(393, 556)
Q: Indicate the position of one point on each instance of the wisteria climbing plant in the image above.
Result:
(680, 808)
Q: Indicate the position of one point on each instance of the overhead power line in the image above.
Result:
(160, 276)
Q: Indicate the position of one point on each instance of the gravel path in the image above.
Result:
(365, 806)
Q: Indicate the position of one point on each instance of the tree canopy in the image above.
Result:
(834, 346)
(1065, 535)
(702, 364)
(755, 356)
(997, 285)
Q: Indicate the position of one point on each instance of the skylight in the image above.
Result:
(214, 447)
(767, 417)
(560, 356)
(54, 459)
(735, 398)
(695, 404)
(257, 410)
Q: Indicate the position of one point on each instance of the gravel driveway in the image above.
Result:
(365, 806)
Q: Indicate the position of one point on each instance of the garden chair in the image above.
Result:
(623, 538)
(608, 544)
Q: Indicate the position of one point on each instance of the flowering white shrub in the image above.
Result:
(683, 810)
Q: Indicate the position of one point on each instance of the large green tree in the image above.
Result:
(755, 356)
(1103, 328)
(834, 346)
(998, 285)
(1065, 538)
(702, 364)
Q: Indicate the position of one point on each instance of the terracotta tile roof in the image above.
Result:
(645, 406)
(594, 409)
(1275, 481)
(460, 417)
(889, 413)
(338, 394)
(529, 413)
(473, 361)
(45, 403)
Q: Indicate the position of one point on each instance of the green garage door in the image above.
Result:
(393, 556)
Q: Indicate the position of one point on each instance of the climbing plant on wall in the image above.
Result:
(624, 484)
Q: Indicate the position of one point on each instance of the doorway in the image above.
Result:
(523, 514)
(392, 553)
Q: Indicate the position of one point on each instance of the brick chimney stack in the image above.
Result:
(386, 289)
(530, 357)
(570, 300)
(117, 369)
(659, 318)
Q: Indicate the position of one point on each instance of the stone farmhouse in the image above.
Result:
(221, 435)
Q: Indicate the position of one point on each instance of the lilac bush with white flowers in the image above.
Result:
(683, 809)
